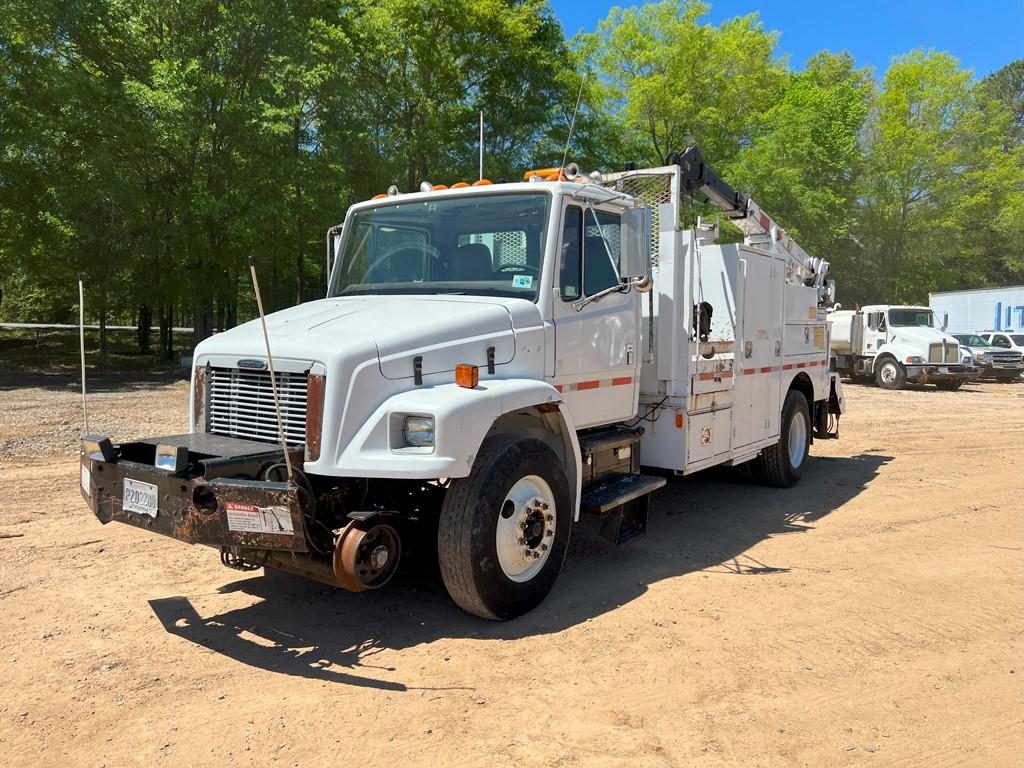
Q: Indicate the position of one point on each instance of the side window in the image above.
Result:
(874, 319)
(571, 255)
(599, 270)
(1000, 341)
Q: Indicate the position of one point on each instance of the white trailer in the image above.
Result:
(981, 310)
(491, 362)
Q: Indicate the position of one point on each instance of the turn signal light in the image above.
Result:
(467, 375)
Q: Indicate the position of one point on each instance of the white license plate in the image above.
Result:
(139, 497)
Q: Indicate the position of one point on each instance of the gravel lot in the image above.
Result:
(870, 616)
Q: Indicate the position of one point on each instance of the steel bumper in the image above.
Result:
(201, 500)
(927, 373)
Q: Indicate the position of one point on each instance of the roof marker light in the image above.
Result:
(392, 190)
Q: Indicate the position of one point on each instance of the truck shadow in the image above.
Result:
(702, 523)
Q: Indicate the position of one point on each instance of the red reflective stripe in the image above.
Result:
(749, 371)
(801, 365)
(766, 370)
(622, 380)
(787, 366)
(587, 385)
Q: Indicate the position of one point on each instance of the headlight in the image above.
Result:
(984, 357)
(419, 431)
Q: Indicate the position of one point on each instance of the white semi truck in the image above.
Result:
(896, 344)
(492, 361)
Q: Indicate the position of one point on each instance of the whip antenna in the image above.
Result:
(81, 347)
(270, 365)
(481, 144)
(572, 124)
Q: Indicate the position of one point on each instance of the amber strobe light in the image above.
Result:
(467, 375)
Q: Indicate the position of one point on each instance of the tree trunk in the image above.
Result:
(166, 332)
(144, 327)
(202, 321)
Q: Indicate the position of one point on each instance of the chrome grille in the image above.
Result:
(1006, 358)
(241, 404)
(944, 353)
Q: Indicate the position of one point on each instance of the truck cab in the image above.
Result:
(491, 362)
(997, 362)
(898, 344)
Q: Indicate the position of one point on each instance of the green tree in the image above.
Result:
(671, 81)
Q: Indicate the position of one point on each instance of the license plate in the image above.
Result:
(139, 497)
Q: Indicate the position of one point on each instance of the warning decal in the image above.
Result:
(249, 518)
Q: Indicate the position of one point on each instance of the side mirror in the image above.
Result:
(945, 320)
(635, 244)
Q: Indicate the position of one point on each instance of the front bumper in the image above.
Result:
(928, 373)
(203, 501)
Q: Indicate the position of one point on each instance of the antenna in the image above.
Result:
(481, 144)
(572, 124)
(81, 346)
(270, 365)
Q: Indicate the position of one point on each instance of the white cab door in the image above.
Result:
(596, 346)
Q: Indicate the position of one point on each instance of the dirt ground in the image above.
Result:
(870, 616)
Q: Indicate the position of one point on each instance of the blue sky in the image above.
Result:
(983, 34)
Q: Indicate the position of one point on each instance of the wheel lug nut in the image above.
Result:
(527, 553)
(543, 505)
(549, 533)
(522, 541)
(549, 518)
(544, 547)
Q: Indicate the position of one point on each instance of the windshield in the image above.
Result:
(1018, 339)
(902, 318)
(970, 339)
(487, 245)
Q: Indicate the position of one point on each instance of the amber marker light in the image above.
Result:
(466, 375)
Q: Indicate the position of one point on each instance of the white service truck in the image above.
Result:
(896, 344)
(492, 361)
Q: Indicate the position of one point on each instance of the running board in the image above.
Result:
(623, 506)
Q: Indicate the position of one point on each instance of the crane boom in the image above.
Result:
(698, 178)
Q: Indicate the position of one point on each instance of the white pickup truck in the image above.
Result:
(492, 361)
(897, 344)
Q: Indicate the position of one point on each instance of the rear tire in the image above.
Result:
(782, 464)
(499, 549)
(890, 374)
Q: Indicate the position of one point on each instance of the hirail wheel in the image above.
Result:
(366, 555)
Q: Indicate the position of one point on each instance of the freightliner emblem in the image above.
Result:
(258, 365)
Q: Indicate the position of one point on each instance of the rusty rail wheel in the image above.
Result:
(366, 555)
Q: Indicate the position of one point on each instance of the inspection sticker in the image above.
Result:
(522, 281)
(249, 518)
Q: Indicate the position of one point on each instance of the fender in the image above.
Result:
(897, 350)
(462, 419)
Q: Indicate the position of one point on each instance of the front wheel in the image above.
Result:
(782, 464)
(890, 374)
(504, 530)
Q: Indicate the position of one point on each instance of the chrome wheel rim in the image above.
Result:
(525, 532)
(889, 373)
(797, 440)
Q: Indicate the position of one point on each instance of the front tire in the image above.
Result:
(890, 374)
(504, 530)
(782, 464)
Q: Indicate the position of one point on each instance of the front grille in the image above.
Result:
(241, 404)
(944, 353)
(1006, 358)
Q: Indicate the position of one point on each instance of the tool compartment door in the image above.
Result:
(756, 410)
